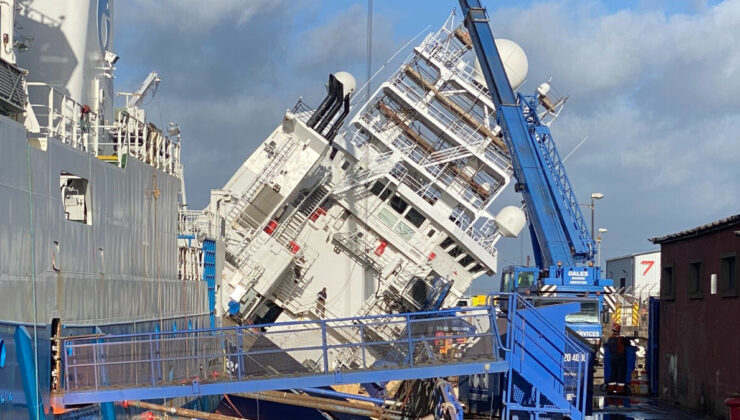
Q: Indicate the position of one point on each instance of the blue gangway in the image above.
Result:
(304, 354)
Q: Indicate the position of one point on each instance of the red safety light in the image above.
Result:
(271, 226)
(381, 248)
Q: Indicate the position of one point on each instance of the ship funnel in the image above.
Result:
(339, 89)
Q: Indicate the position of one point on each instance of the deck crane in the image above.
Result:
(562, 244)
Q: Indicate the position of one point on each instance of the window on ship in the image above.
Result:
(75, 198)
(415, 217)
(398, 204)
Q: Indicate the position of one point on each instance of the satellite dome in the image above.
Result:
(510, 221)
(515, 63)
(347, 80)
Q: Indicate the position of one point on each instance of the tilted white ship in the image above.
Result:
(391, 214)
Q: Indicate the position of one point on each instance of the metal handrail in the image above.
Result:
(88, 357)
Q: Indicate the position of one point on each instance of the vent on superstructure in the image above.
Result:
(12, 89)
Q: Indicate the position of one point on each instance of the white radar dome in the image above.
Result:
(347, 80)
(510, 221)
(515, 63)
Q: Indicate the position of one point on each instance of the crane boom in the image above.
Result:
(561, 241)
(560, 232)
(150, 83)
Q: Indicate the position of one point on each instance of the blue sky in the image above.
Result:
(654, 84)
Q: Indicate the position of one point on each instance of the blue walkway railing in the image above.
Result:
(549, 371)
(546, 371)
(279, 356)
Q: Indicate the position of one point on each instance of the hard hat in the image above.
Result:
(616, 328)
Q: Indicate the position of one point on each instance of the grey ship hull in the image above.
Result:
(116, 275)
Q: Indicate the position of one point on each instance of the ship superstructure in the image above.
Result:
(92, 239)
(391, 215)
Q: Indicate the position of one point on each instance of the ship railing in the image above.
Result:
(451, 59)
(486, 235)
(246, 352)
(144, 141)
(302, 110)
(76, 125)
(294, 282)
(12, 88)
(465, 134)
(194, 222)
(355, 243)
(188, 222)
(413, 95)
(61, 117)
(461, 132)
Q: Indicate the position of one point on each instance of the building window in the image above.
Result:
(695, 280)
(728, 283)
(398, 204)
(415, 217)
(667, 284)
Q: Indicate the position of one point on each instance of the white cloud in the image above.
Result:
(196, 15)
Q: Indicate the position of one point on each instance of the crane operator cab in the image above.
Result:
(527, 282)
(520, 279)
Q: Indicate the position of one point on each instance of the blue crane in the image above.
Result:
(562, 244)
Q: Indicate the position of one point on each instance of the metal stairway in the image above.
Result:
(268, 172)
(381, 165)
(546, 371)
(307, 204)
(447, 155)
(549, 371)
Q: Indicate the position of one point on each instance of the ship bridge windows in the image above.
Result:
(455, 252)
(477, 268)
(448, 242)
(381, 190)
(466, 261)
(75, 198)
(398, 204)
(415, 218)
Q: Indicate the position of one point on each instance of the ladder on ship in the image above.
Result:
(268, 172)
(543, 376)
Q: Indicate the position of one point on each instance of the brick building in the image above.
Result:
(699, 340)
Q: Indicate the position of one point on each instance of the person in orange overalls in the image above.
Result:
(617, 346)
